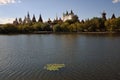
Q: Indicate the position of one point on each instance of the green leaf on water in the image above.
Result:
(54, 67)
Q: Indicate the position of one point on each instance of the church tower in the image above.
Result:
(104, 15)
(15, 22)
(113, 16)
(28, 18)
(33, 19)
(40, 19)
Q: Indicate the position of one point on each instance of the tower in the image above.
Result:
(113, 16)
(15, 22)
(104, 15)
(33, 19)
(28, 16)
(40, 19)
(25, 20)
(67, 13)
(71, 12)
(28, 20)
(20, 21)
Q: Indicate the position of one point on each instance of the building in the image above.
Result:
(104, 15)
(27, 19)
(67, 16)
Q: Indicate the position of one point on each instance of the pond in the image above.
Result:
(70, 56)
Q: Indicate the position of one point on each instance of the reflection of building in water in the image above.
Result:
(68, 16)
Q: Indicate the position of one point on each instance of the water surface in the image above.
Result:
(86, 56)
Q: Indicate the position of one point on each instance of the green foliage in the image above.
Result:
(65, 27)
(57, 28)
(80, 27)
(93, 25)
(89, 25)
(45, 27)
(75, 27)
(72, 28)
(113, 24)
(99, 23)
(37, 26)
(9, 28)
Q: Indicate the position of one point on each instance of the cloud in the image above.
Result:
(4, 2)
(115, 1)
(6, 20)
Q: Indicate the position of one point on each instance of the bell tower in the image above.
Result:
(104, 15)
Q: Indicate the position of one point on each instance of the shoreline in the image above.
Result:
(50, 32)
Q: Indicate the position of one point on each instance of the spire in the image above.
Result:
(71, 12)
(20, 20)
(49, 21)
(40, 19)
(66, 12)
(15, 22)
(28, 20)
(25, 19)
(63, 14)
(33, 19)
(56, 17)
(113, 16)
(28, 15)
(82, 21)
(60, 19)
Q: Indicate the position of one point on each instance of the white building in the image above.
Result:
(67, 16)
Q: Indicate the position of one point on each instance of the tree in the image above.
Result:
(80, 27)
(73, 28)
(45, 27)
(111, 24)
(99, 23)
(57, 28)
(37, 26)
(118, 23)
(65, 27)
(10, 28)
(27, 28)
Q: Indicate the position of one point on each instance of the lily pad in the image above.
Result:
(54, 67)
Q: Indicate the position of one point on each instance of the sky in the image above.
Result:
(10, 9)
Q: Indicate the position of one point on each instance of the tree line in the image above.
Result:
(95, 24)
